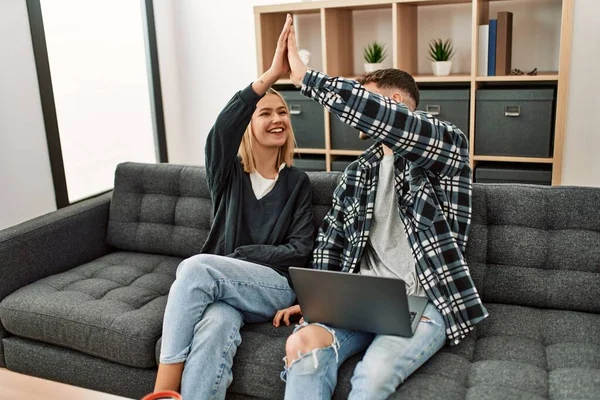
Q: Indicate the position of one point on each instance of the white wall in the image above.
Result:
(581, 164)
(215, 46)
(26, 189)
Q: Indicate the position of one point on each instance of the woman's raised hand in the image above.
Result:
(280, 66)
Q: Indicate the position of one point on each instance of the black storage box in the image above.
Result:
(308, 120)
(492, 172)
(515, 122)
(451, 105)
(344, 137)
(307, 162)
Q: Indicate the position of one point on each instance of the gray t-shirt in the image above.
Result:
(387, 252)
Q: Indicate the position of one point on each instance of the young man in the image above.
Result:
(401, 210)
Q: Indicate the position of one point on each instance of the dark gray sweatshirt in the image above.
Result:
(276, 231)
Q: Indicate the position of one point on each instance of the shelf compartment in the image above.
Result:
(310, 162)
(535, 35)
(268, 28)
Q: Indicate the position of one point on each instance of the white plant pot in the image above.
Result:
(372, 67)
(441, 68)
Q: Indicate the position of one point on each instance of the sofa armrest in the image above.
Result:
(53, 243)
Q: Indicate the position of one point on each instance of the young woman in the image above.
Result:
(263, 225)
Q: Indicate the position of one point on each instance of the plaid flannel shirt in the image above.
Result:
(433, 186)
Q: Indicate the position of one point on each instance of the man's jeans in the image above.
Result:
(388, 362)
(210, 300)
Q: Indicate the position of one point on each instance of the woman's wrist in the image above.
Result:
(266, 80)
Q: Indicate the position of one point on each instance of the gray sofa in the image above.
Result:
(83, 290)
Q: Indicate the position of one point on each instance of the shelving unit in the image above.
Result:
(337, 50)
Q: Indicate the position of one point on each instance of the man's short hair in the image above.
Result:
(393, 78)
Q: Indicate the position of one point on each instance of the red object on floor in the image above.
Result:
(164, 395)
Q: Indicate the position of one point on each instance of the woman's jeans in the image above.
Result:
(211, 299)
(388, 362)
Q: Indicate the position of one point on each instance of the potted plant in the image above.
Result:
(440, 53)
(374, 56)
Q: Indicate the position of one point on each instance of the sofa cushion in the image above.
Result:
(159, 209)
(536, 246)
(111, 307)
(167, 209)
(518, 352)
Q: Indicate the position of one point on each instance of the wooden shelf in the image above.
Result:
(330, 29)
(442, 79)
(552, 77)
(346, 152)
(315, 6)
(515, 159)
(310, 151)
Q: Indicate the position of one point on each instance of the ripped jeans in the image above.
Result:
(387, 363)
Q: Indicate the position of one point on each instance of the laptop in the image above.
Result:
(360, 302)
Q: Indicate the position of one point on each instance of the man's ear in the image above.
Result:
(397, 97)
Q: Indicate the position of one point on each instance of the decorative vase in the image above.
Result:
(441, 68)
(370, 67)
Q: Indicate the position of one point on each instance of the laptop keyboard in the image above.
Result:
(412, 316)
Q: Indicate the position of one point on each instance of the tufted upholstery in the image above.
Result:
(534, 253)
(111, 307)
(161, 209)
(536, 246)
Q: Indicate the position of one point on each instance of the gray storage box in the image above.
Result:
(344, 137)
(308, 120)
(310, 163)
(515, 122)
(491, 172)
(341, 164)
(451, 105)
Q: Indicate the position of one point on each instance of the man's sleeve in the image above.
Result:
(329, 245)
(434, 145)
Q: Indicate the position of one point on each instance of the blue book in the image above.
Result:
(492, 47)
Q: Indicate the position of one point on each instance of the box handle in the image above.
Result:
(433, 109)
(512, 111)
(295, 109)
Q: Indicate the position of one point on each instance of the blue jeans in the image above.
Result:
(388, 362)
(210, 300)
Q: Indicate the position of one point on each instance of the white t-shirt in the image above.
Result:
(387, 252)
(262, 186)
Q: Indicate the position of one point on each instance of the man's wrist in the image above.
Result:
(300, 76)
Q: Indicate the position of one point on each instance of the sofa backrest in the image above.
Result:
(167, 209)
(536, 246)
(529, 245)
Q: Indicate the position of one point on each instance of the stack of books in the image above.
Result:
(495, 46)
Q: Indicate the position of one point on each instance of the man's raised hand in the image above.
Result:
(298, 69)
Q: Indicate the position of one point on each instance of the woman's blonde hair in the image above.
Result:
(286, 152)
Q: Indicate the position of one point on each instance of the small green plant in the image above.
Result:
(375, 53)
(440, 50)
